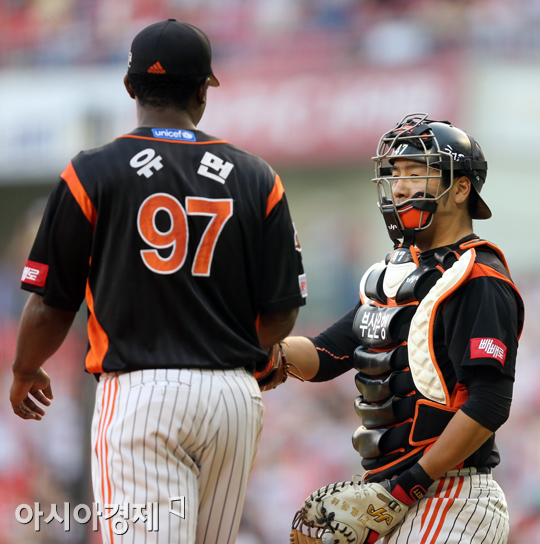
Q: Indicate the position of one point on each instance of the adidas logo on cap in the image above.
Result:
(156, 69)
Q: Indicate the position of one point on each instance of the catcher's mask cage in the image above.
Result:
(445, 150)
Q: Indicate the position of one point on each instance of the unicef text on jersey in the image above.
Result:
(174, 134)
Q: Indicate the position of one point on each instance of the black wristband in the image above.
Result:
(412, 484)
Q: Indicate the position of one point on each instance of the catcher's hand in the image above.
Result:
(347, 513)
(277, 370)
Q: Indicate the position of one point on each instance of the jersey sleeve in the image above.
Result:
(490, 398)
(481, 327)
(58, 263)
(284, 282)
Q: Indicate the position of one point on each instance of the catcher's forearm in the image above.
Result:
(301, 353)
(41, 333)
(461, 438)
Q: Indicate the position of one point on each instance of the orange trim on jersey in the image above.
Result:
(376, 470)
(482, 270)
(97, 337)
(493, 247)
(386, 350)
(391, 303)
(415, 419)
(172, 141)
(79, 193)
(332, 355)
(459, 396)
(395, 425)
(399, 450)
(275, 196)
(415, 254)
(362, 298)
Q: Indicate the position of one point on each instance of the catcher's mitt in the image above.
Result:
(347, 513)
(277, 370)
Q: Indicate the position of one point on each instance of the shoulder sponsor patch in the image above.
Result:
(35, 273)
(482, 348)
(303, 285)
(174, 134)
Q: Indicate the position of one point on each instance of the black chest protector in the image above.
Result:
(405, 402)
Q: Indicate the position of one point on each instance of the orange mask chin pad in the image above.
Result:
(413, 218)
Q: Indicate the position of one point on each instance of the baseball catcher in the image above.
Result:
(434, 340)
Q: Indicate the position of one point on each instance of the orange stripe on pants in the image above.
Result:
(430, 503)
(445, 512)
(102, 447)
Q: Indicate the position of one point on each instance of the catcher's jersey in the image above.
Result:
(486, 306)
(178, 241)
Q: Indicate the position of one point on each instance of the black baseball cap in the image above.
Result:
(172, 48)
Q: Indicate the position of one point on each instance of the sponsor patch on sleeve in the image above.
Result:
(303, 285)
(482, 348)
(35, 273)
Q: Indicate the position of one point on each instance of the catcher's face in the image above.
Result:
(409, 178)
(411, 194)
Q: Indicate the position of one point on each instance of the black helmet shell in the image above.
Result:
(442, 146)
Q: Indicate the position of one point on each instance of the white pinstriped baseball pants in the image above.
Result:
(461, 508)
(164, 433)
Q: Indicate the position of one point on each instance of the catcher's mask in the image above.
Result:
(446, 151)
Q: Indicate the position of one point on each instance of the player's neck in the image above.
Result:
(444, 233)
(167, 118)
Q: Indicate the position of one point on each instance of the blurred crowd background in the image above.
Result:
(309, 85)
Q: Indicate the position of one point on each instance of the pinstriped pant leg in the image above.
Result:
(140, 459)
(159, 434)
(234, 429)
(460, 508)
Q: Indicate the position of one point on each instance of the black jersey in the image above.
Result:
(173, 238)
(475, 340)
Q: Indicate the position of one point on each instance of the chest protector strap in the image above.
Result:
(424, 368)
